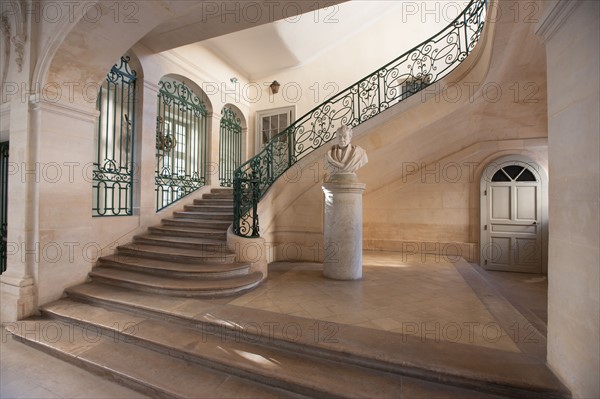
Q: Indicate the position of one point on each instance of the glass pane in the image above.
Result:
(513, 171)
(283, 121)
(527, 176)
(500, 176)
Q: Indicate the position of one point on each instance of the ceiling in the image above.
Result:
(292, 42)
(208, 19)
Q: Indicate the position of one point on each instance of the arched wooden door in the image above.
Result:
(512, 217)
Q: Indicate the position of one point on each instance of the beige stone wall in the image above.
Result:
(571, 34)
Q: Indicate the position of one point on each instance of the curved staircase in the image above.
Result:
(186, 255)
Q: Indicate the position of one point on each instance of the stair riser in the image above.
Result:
(219, 226)
(177, 274)
(210, 257)
(215, 247)
(180, 293)
(217, 235)
(213, 363)
(209, 208)
(204, 216)
(222, 190)
(218, 196)
(216, 202)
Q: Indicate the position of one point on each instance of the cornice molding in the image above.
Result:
(554, 17)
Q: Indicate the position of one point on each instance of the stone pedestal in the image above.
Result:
(343, 227)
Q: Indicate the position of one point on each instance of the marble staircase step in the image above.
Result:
(218, 195)
(174, 269)
(152, 373)
(214, 201)
(206, 288)
(197, 232)
(183, 255)
(182, 242)
(300, 373)
(227, 190)
(209, 208)
(222, 216)
(221, 225)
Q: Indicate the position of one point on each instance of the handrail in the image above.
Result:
(404, 76)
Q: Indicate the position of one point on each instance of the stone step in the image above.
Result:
(182, 255)
(298, 372)
(218, 195)
(188, 232)
(218, 225)
(221, 216)
(209, 208)
(151, 373)
(182, 242)
(484, 370)
(209, 288)
(173, 269)
(226, 190)
(221, 201)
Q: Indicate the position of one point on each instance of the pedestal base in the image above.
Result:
(343, 229)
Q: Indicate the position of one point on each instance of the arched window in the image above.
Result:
(113, 166)
(181, 127)
(230, 145)
(513, 173)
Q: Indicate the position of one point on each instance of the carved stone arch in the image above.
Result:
(81, 50)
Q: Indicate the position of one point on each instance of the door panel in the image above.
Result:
(500, 203)
(526, 203)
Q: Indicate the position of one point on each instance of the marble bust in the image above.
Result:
(344, 158)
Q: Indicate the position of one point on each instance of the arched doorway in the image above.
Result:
(513, 207)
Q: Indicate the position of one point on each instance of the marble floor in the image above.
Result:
(427, 298)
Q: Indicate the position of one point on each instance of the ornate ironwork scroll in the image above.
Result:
(230, 146)
(181, 128)
(3, 203)
(411, 72)
(114, 167)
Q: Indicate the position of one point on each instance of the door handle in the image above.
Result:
(534, 222)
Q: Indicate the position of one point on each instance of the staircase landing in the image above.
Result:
(260, 339)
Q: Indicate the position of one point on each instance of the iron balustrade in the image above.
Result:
(181, 127)
(406, 75)
(3, 203)
(114, 168)
(230, 146)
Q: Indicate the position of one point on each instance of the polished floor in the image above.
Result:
(427, 298)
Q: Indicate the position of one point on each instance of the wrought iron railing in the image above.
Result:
(3, 203)
(230, 146)
(113, 168)
(181, 127)
(413, 71)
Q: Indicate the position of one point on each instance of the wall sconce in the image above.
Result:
(275, 87)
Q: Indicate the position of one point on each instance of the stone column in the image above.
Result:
(343, 227)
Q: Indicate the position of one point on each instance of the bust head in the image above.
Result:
(344, 135)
